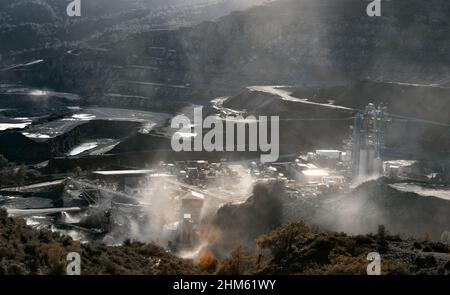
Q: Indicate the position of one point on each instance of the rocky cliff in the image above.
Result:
(284, 42)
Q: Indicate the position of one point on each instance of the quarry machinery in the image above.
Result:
(368, 141)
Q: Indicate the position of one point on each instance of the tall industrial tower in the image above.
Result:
(368, 141)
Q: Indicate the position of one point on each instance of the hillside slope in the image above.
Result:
(26, 251)
(284, 42)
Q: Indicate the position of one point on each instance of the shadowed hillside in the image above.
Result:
(26, 251)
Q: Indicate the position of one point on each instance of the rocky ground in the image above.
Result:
(297, 249)
(26, 251)
(294, 248)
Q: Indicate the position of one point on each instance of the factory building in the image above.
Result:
(123, 178)
(331, 154)
(368, 141)
(132, 182)
(191, 207)
(190, 217)
(305, 173)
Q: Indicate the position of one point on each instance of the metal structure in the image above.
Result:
(368, 141)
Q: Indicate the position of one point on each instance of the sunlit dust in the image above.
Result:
(211, 234)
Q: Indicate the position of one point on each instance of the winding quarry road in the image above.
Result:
(286, 95)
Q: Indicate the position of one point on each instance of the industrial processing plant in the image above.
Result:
(224, 137)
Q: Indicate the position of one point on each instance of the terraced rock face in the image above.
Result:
(41, 24)
(22, 149)
(306, 41)
(285, 42)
